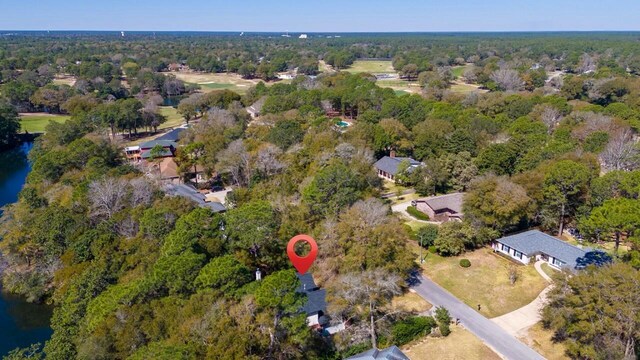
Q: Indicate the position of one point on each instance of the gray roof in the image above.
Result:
(449, 201)
(316, 298)
(534, 242)
(215, 206)
(190, 192)
(256, 107)
(163, 143)
(390, 164)
(172, 135)
(390, 353)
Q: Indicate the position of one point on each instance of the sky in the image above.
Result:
(321, 15)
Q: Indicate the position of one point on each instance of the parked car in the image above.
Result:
(216, 188)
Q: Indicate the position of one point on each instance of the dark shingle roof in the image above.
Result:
(316, 298)
(215, 206)
(533, 242)
(163, 143)
(165, 152)
(172, 135)
(390, 164)
(390, 353)
(307, 283)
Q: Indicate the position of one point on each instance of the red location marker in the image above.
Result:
(302, 264)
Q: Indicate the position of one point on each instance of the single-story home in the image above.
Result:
(316, 304)
(536, 245)
(168, 148)
(441, 208)
(256, 108)
(390, 353)
(169, 170)
(387, 167)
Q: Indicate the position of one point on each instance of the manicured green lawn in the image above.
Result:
(36, 123)
(458, 71)
(173, 118)
(486, 282)
(372, 67)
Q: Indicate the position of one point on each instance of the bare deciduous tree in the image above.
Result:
(236, 161)
(107, 196)
(508, 80)
(371, 212)
(587, 64)
(363, 295)
(141, 191)
(621, 152)
(551, 117)
(267, 162)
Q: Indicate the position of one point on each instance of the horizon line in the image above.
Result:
(331, 32)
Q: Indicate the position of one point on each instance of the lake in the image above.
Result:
(21, 323)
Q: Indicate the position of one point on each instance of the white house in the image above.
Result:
(536, 245)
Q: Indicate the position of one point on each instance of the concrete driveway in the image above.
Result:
(519, 320)
(401, 208)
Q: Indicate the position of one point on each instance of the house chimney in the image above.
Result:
(392, 153)
(258, 274)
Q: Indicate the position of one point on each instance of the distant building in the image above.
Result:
(441, 208)
(387, 167)
(316, 304)
(303, 36)
(168, 148)
(256, 108)
(390, 353)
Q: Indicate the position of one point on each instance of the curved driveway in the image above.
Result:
(489, 332)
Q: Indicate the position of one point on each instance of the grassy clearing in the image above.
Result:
(400, 199)
(540, 339)
(410, 302)
(372, 67)
(463, 88)
(459, 345)
(173, 118)
(486, 282)
(64, 80)
(216, 81)
(36, 122)
(416, 225)
(458, 71)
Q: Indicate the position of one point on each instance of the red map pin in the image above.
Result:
(302, 264)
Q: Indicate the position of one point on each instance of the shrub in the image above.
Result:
(417, 213)
(465, 263)
(412, 328)
(444, 319)
(433, 249)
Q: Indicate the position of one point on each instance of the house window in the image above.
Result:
(557, 262)
(517, 254)
(505, 248)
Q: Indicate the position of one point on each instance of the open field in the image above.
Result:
(36, 122)
(371, 66)
(486, 282)
(461, 87)
(64, 79)
(459, 345)
(540, 339)
(216, 81)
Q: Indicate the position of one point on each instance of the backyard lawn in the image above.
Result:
(540, 339)
(173, 118)
(486, 282)
(459, 345)
(372, 67)
(36, 122)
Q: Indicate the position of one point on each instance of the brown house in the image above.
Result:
(441, 208)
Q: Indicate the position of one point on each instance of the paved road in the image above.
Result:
(489, 332)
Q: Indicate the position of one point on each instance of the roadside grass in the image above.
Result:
(37, 122)
(372, 67)
(541, 340)
(399, 199)
(486, 282)
(410, 302)
(459, 345)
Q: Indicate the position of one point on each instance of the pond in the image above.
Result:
(21, 323)
(172, 100)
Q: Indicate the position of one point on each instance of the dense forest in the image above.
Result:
(135, 273)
